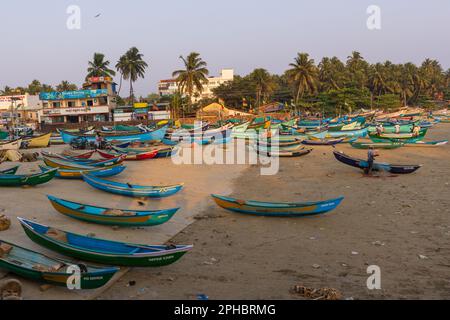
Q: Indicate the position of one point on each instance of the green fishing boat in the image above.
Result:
(376, 145)
(12, 180)
(103, 251)
(36, 266)
(398, 137)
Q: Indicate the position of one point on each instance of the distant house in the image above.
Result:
(170, 86)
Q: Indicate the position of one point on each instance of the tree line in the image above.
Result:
(329, 85)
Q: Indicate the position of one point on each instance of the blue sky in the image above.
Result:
(243, 34)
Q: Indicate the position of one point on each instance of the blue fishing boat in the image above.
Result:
(156, 135)
(277, 209)
(77, 173)
(114, 217)
(130, 190)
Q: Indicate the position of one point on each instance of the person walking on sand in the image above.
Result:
(371, 154)
(98, 141)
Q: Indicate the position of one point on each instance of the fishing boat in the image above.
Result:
(299, 152)
(41, 141)
(78, 174)
(359, 133)
(162, 152)
(103, 251)
(38, 267)
(427, 144)
(64, 164)
(377, 166)
(83, 155)
(156, 135)
(12, 180)
(375, 145)
(277, 209)
(12, 170)
(129, 156)
(130, 190)
(114, 217)
(10, 145)
(323, 142)
(398, 137)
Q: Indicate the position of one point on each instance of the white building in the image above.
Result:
(170, 86)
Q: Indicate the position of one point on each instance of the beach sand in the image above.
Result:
(401, 224)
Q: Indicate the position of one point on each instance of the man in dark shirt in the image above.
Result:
(371, 154)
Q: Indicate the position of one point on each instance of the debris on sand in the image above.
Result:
(317, 294)
(5, 222)
(11, 290)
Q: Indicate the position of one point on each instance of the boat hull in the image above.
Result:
(277, 209)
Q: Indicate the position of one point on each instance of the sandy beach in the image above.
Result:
(400, 224)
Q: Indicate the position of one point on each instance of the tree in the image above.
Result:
(331, 74)
(6, 91)
(98, 67)
(132, 66)
(304, 75)
(121, 66)
(192, 77)
(66, 86)
(264, 85)
(35, 87)
(357, 70)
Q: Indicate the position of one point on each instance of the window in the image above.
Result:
(56, 104)
(70, 104)
(90, 103)
(103, 101)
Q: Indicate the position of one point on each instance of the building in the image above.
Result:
(19, 108)
(170, 86)
(94, 103)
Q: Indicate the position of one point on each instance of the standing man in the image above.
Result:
(371, 154)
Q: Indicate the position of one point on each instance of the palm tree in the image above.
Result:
(264, 85)
(98, 67)
(66, 86)
(132, 67)
(304, 75)
(120, 66)
(6, 91)
(193, 77)
(331, 73)
(357, 68)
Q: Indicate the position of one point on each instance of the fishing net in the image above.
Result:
(57, 235)
(5, 222)
(318, 294)
(117, 213)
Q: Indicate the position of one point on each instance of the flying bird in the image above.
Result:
(98, 15)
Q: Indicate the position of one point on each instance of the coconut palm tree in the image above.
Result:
(193, 76)
(66, 86)
(357, 70)
(264, 85)
(6, 91)
(304, 74)
(120, 66)
(98, 67)
(132, 67)
(331, 73)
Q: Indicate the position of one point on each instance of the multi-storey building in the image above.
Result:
(170, 86)
(94, 103)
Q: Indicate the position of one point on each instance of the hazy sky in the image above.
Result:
(239, 34)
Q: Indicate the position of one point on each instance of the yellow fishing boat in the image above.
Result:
(41, 141)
